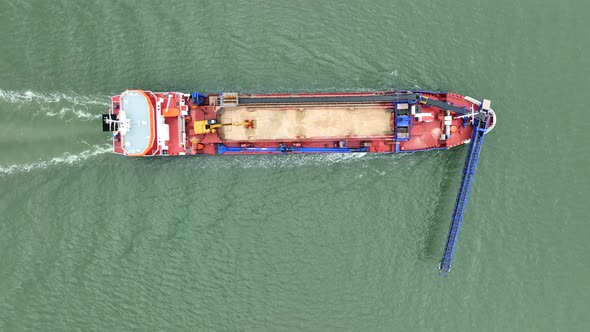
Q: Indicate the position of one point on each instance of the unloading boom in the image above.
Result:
(480, 127)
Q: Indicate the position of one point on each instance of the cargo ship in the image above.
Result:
(145, 123)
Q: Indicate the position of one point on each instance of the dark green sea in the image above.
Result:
(91, 241)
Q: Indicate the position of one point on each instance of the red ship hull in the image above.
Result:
(170, 123)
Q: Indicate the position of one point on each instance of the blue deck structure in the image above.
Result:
(480, 127)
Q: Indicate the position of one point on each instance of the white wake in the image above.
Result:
(65, 159)
(66, 112)
(43, 98)
(61, 105)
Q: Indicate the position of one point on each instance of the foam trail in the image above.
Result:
(42, 98)
(274, 161)
(66, 158)
(64, 106)
(67, 111)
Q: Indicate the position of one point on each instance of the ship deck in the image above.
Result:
(306, 122)
(316, 122)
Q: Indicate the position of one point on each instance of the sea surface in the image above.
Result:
(91, 241)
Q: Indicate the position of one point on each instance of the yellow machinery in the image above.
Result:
(210, 126)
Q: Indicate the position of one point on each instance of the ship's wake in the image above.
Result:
(65, 159)
(61, 105)
(30, 96)
(68, 113)
(272, 161)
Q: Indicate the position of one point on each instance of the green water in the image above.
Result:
(93, 241)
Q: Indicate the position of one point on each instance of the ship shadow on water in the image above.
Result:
(437, 224)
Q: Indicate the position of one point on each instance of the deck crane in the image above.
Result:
(211, 126)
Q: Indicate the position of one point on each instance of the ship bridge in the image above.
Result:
(136, 123)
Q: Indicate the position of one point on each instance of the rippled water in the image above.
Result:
(94, 241)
